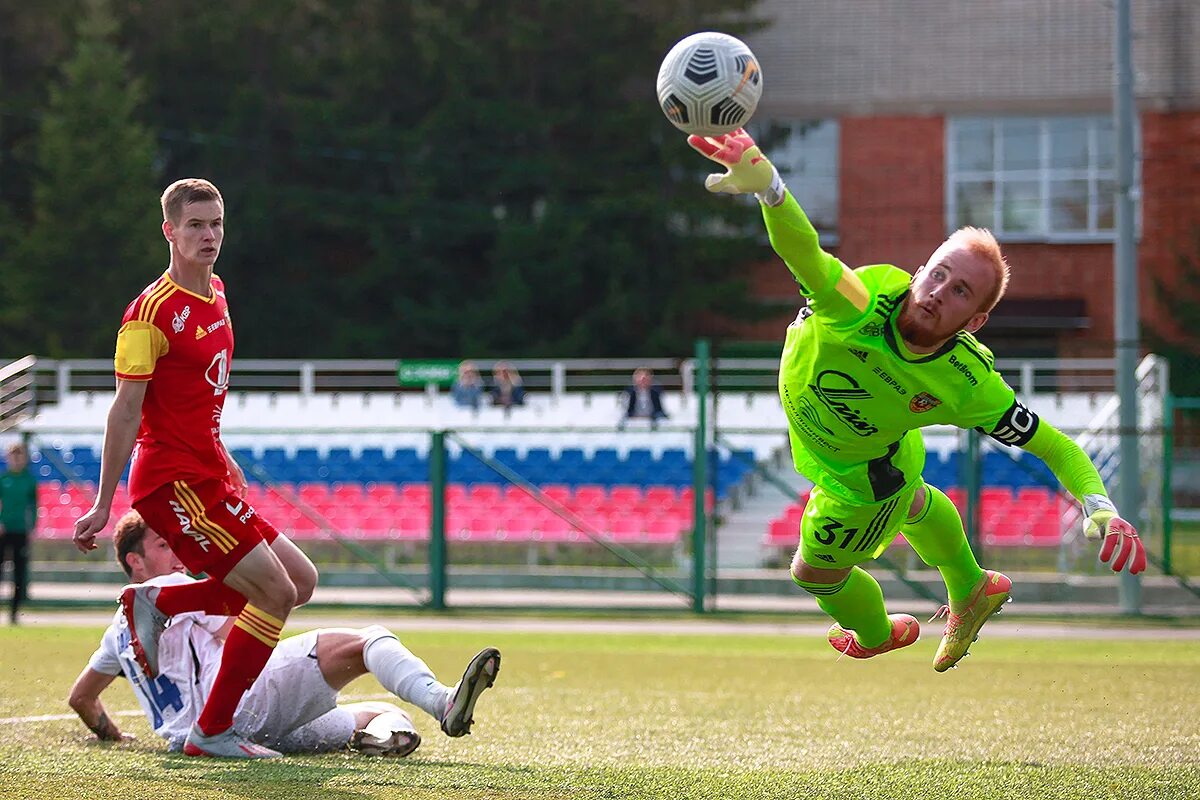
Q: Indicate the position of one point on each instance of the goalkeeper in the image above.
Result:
(874, 356)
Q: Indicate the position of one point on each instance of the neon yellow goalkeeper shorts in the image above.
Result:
(837, 533)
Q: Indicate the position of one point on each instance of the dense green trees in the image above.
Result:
(471, 178)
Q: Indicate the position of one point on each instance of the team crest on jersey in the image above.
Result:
(180, 319)
(872, 329)
(923, 402)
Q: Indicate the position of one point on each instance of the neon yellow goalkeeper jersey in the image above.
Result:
(855, 396)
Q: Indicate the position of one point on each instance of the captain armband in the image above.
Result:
(1016, 427)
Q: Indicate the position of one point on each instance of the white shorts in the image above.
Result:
(291, 705)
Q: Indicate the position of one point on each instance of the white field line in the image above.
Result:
(137, 712)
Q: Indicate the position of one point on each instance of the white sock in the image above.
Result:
(389, 722)
(406, 676)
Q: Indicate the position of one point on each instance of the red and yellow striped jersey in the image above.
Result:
(182, 343)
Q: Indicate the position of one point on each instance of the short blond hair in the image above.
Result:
(184, 191)
(981, 242)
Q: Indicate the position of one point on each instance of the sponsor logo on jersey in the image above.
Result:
(185, 526)
(838, 391)
(861, 355)
(810, 415)
(826, 557)
(872, 329)
(923, 402)
(235, 510)
(217, 373)
(962, 367)
(202, 332)
(890, 381)
(180, 319)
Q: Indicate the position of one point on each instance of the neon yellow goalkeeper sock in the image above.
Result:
(857, 605)
(938, 537)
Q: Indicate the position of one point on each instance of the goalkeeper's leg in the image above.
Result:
(839, 535)
(936, 533)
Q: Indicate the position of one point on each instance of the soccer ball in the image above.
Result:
(709, 84)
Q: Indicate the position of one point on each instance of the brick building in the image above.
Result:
(912, 118)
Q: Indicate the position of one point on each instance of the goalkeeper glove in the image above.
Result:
(748, 170)
(1119, 537)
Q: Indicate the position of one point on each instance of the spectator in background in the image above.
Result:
(643, 400)
(468, 387)
(507, 390)
(18, 516)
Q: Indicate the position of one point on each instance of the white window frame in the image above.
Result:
(796, 182)
(1043, 174)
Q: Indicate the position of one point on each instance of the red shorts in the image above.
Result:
(208, 526)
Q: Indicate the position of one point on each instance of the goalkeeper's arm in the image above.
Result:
(836, 289)
(1071, 465)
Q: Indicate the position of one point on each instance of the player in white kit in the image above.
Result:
(292, 707)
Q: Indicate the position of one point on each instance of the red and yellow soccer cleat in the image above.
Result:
(905, 631)
(962, 628)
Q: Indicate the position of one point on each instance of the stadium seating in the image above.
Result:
(475, 513)
(1035, 516)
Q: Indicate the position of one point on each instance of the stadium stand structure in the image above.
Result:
(358, 460)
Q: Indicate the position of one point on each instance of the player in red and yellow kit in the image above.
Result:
(173, 356)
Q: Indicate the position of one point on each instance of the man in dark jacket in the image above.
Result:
(643, 400)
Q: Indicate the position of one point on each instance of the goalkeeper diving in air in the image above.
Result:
(875, 355)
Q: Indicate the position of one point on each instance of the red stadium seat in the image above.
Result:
(958, 496)
(783, 532)
(1045, 527)
(589, 496)
(411, 527)
(301, 527)
(659, 498)
(627, 497)
(519, 528)
(687, 498)
(1034, 497)
(313, 492)
(665, 529)
(348, 492)
(408, 492)
(485, 493)
(515, 494)
(555, 529)
(1004, 529)
(558, 492)
(625, 528)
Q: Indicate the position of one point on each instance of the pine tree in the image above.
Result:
(94, 238)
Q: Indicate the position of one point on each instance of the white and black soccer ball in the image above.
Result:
(709, 84)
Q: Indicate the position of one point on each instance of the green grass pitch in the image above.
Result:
(602, 715)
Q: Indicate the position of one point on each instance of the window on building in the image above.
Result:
(1032, 178)
(806, 154)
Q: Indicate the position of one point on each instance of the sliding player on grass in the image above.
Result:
(292, 706)
(874, 356)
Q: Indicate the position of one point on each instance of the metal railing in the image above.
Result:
(18, 394)
(56, 378)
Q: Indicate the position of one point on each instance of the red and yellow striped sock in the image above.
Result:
(209, 595)
(247, 649)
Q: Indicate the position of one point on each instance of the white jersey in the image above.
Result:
(189, 654)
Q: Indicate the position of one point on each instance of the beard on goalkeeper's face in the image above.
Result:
(926, 328)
